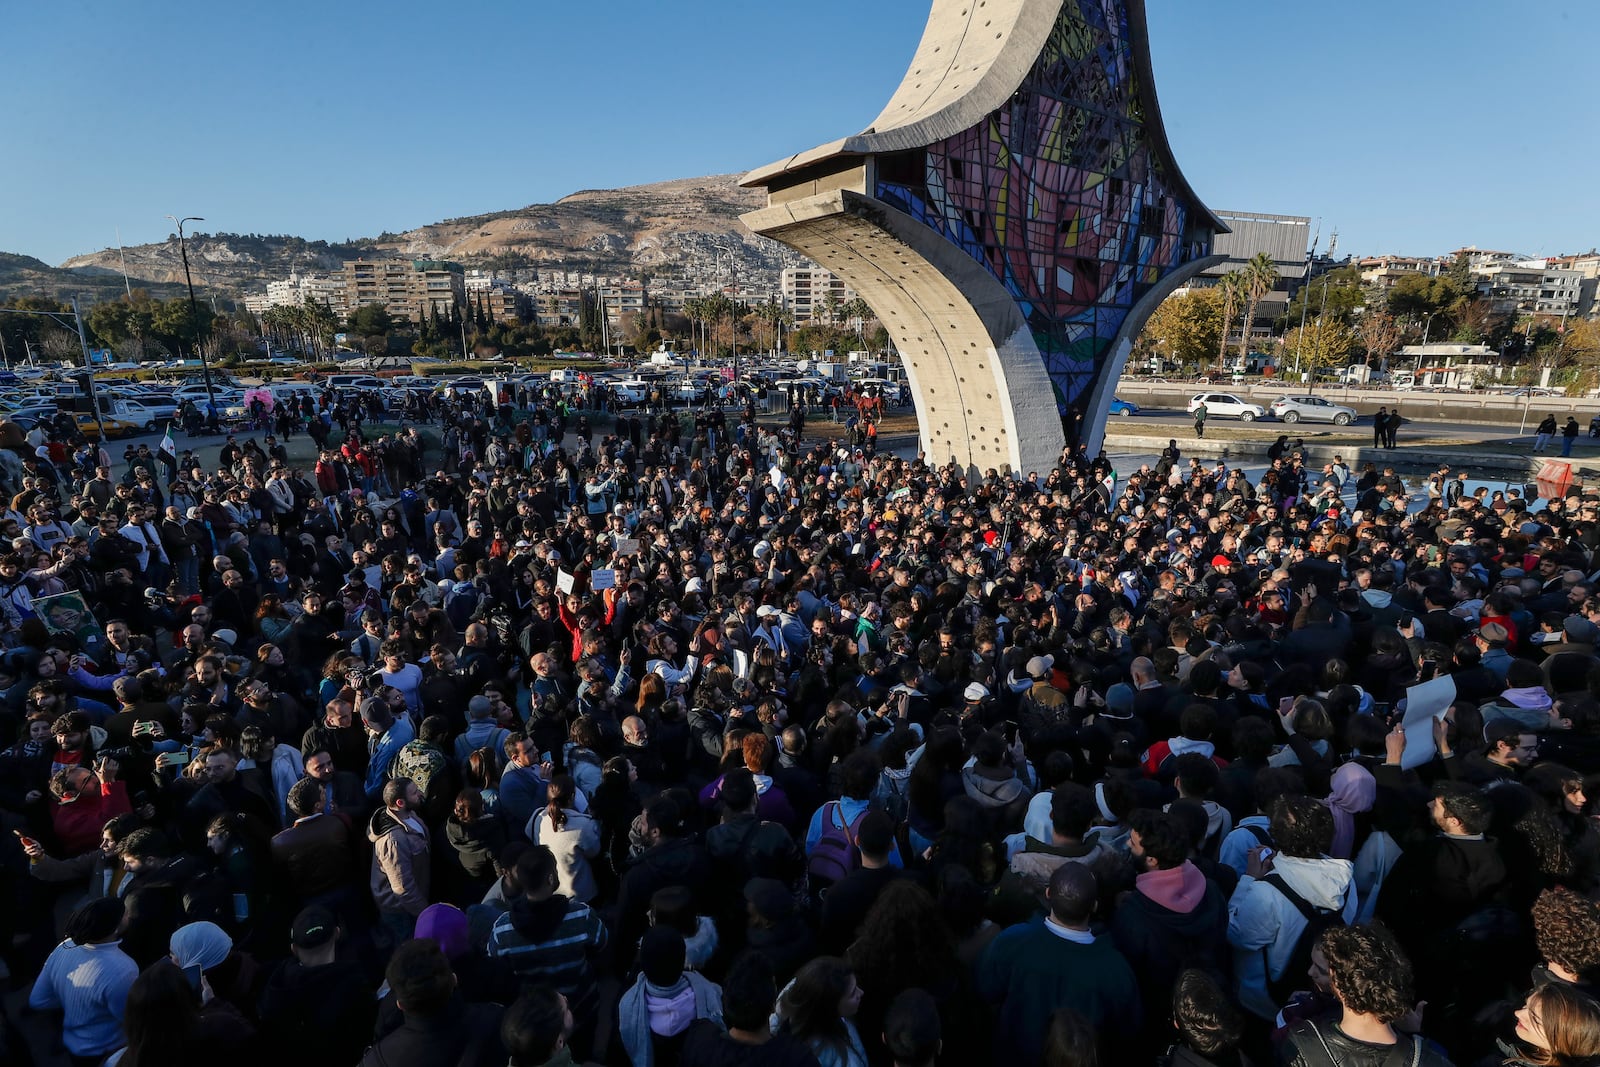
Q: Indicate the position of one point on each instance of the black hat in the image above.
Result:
(314, 927)
(770, 897)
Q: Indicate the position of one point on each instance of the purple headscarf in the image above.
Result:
(1354, 790)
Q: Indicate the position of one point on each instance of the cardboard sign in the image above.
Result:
(563, 581)
(627, 546)
(603, 579)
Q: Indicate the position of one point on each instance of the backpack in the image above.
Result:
(1317, 920)
(418, 761)
(836, 853)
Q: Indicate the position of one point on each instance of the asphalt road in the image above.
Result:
(1169, 419)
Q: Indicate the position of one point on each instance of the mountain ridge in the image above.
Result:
(685, 227)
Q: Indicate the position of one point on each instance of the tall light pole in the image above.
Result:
(1305, 302)
(194, 315)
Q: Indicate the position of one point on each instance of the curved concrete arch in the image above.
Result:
(981, 392)
(1013, 215)
(1105, 387)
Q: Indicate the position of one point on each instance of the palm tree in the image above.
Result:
(858, 311)
(1232, 289)
(694, 309)
(830, 307)
(772, 314)
(1256, 280)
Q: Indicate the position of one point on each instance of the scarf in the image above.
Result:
(1354, 791)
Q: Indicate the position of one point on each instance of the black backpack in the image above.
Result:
(1317, 920)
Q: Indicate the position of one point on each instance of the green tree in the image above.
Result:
(371, 320)
(1338, 293)
(181, 324)
(1184, 329)
(1324, 342)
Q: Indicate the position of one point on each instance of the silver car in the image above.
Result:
(1312, 409)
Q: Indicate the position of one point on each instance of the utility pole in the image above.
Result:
(1300, 340)
(194, 316)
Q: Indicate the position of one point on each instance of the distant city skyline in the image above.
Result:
(1412, 128)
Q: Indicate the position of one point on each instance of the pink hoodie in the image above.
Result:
(1180, 889)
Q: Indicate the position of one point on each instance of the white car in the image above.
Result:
(1312, 409)
(1227, 406)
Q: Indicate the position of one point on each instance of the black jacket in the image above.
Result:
(1308, 1044)
(1159, 942)
(674, 861)
(463, 1035)
(316, 1016)
(707, 1045)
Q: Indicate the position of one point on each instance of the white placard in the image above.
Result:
(1425, 703)
(563, 581)
(627, 546)
(602, 579)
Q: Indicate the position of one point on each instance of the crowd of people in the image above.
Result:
(685, 739)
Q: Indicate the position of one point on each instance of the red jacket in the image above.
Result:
(78, 823)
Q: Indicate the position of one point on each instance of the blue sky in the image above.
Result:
(1411, 125)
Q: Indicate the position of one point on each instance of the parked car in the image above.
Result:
(630, 392)
(1125, 408)
(1312, 409)
(90, 428)
(148, 413)
(1227, 406)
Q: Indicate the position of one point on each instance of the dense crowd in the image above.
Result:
(508, 736)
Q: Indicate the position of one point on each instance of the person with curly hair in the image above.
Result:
(1371, 977)
(1566, 929)
(903, 944)
(1208, 1023)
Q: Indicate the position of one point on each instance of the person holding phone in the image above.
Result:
(85, 801)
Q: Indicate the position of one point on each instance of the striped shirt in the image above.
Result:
(562, 958)
(89, 983)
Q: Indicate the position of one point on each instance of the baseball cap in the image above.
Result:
(765, 610)
(976, 692)
(314, 927)
(1579, 628)
(226, 636)
(1039, 666)
(1221, 561)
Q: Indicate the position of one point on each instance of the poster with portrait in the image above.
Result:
(66, 613)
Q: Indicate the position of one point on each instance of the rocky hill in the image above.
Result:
(26, 276)
(689, 227)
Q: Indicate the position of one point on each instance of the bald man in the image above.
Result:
(1034, 969)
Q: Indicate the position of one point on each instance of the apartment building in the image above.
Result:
(1529, 286)
(806, 291)
(411, 289)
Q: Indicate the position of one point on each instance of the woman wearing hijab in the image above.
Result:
(1354, 791)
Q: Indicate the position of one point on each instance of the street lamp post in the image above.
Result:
(194, 315)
